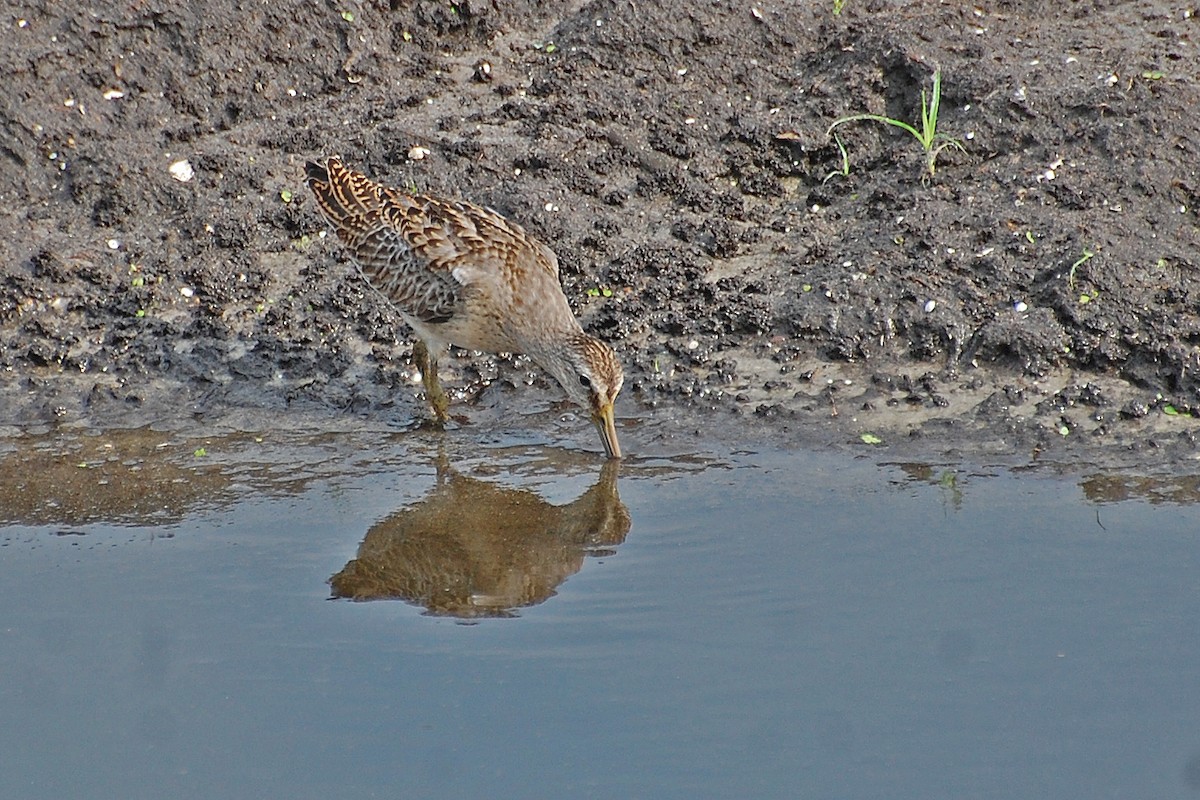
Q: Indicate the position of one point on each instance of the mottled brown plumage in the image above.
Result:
(464, 275)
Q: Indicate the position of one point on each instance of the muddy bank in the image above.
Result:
(675, 157)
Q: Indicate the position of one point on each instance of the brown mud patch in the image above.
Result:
(674, 155)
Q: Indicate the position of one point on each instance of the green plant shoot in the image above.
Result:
(1087, 256)
(932, 140)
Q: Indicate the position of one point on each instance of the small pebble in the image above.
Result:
(181, 171)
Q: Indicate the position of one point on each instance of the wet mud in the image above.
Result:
(1035, 297)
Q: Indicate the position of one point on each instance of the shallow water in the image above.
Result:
(757, 624)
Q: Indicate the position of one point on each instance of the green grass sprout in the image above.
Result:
(844, 171)
(1083, 259)
(932, 140)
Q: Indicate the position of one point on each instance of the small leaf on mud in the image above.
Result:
(285, 196)
(1170, 410)
(141, 312)
(1083, 298)
(871, 438)
(807, 287)
(348, 16)
(1154, 75)
(200, 452)
(1063, 430)
(550, 48)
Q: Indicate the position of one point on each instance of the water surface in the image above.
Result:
(707, 624)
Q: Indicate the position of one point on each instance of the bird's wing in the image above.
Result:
(424, 254)
(368, 218)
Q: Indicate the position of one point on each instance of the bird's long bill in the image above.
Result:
(606, 426)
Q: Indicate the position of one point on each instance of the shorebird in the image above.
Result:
(461, 274)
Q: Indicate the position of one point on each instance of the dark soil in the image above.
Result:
(675, 156)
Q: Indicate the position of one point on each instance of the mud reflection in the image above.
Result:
(948, 481)
(1102, 488)
(131, 477)
(1154, 489)
(473, 548)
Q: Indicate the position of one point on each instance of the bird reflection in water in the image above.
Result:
(472, 548)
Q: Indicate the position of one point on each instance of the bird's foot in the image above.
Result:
(438, 401)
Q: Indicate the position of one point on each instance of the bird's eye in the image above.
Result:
(585, 381)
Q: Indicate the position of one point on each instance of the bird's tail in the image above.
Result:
(341, 193)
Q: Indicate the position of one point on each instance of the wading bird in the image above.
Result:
(464, 275)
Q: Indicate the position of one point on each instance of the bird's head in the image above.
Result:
(592, 377)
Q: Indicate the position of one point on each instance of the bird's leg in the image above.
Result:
(427, 363)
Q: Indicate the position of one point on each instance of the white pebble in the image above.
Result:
(930, 305)
(182, 170)
(1020, 307)
(186, 291)
(114, 244)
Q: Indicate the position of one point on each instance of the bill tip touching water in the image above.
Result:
(462, 274)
